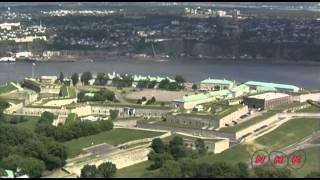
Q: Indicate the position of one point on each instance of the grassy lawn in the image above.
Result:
(134, 171)
(249, 122)
(7, 88)
(170, 124)
(114, 137)
(220, 110)
(312, 162)
(311, 109)
(72, 92)
(286, 134)
(289, 133)
(68, 91)
(55, 173)
(71, 118)
(316, 141)
(238, 153)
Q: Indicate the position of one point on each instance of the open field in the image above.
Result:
(134, 171)
(312, 162)
(249, 122)
(311, 109)
(226, 110)
(55, 173)
(316, 141)
(160, 95)
(288, 133)
(114, 137)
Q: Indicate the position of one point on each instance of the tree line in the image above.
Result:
(174, 160)
(70, 131)
(25, 150)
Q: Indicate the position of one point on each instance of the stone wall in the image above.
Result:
(191, 120)
(13, 108)
(60, 102)
(85, 110)
(192, 104)
(233, 116)
(221, 145)
(124, 111)
(32, 111)
(121, 159)
(253, 127)
(305, 97)
(191, 131)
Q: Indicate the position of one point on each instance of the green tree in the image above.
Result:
(61, 77)
(187, 167)
(243, 170)
(85, 77)
(75, 79)
(270, 172)
(158, 159)
(171, 169)
(179, 79)
(106, 170)
(203, 170)
(200, 146)
(153, 100)
(158, 146)
(164, 84)
(194, 87)
(101, 78)
(113, 114)
(28, 165)
(89, 171)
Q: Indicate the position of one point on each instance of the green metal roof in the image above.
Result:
(265, 88)
(216, 81)
(222, 93)
(272, 85)
(195, 97)
(240, 88)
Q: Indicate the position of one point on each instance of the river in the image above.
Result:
(303, 75)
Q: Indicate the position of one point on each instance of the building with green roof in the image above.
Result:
(215, 84)
(271, 86)
(240, 90)
(157, 79)
(190, 101)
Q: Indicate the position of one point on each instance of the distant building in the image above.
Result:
(48, 79)
(211, 145)
(221, 13)
(215, 84)
(267, 101)
(255, 85)
(190, 101)
(8, 26)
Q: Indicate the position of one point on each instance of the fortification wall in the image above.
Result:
(60, 102)
(253, 127)
(191, 131)
(305, 97)
(121, 159)
(233, 116)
